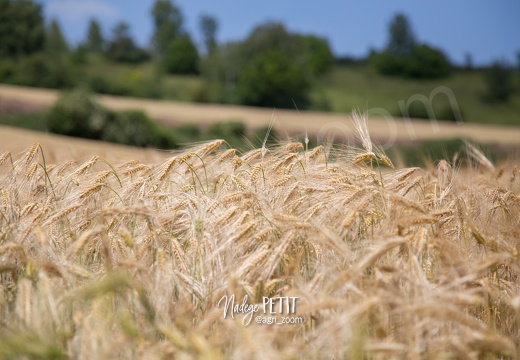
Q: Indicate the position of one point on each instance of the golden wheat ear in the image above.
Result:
(360, 124)
(478, 156)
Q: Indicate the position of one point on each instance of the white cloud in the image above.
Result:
(74, 10)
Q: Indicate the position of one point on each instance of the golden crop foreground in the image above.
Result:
(105, 261)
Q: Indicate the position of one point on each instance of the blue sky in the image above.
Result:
(488, 30)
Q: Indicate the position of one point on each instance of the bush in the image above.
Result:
(135, 128)
(389, 64)
(187, 133)
(426, 62)
(127, 86)
(272, 79)
(40, 70)
(7, 70)
(423, 62)
(316, 52)
(182, 57)
(77, 114)
(499, 85)
(102, 85)
(122, 47)
(442, 110)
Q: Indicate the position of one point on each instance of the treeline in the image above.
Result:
(271, 67)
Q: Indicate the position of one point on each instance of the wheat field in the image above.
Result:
(130, 260)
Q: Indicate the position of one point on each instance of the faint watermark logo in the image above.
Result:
(343, 131)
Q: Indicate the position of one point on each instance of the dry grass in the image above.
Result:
(102, 260)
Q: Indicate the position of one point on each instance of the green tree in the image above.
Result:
(499, 82)
(272, 79)
(122, 47)
(182, 56)
(308, 51)
(233, 67)
(55, 43)
(168, 23)
(468, 62)
(317, 53)
(21, 28)
(426, 62)
(208, 27)
(402, 39)
(405, 57)
(95, 41)
(270, 36)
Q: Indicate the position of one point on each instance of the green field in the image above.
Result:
(346, 88)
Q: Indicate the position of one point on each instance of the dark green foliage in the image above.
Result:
(499, 82)
(424, 62)
(135, 128)
(182, 56)
(79, 55)
(26, 120)
(387, 63)
(102, 85)
(402, 39)
(317, 53)
(55, 43)
(77, 114)
(234, 132)
(95, 41)
(168, 22)
(22, 41)
(40, 70)
(230, 128)
(269, 68)
(187, 133)
(272, 79)
(404, 57)
(8, 69)
(308, 51)
(208, 27)
(452, 150)
(122, 47)
(442, 110)
(431, 151)
(270, 36)
(21, 28)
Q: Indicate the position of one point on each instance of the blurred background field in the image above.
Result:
(272, 65)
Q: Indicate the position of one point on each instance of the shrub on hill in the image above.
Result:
(268, 68)
(273, 79)
(499, 84)
(182, 56)
(424, 62)
(77, 114)
(135, 128)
